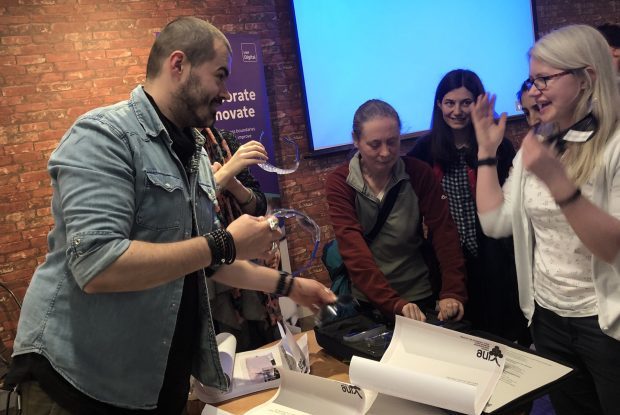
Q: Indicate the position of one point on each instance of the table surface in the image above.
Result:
(321, 364)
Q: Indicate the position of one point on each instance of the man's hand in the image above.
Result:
(253, 237)
(311, 293)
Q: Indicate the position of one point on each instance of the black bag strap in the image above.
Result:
(384, 212)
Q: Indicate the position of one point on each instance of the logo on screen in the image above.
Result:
(248, 52)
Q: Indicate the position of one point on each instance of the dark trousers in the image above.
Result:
(36, 402)
(580, 343)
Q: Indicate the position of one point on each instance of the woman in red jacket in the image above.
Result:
(391, 274)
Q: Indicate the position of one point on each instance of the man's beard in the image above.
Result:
(188, 100)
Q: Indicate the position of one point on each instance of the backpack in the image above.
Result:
(335, 267)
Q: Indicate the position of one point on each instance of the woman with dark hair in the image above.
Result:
(451, 149)
(391, 274)
(528, 105)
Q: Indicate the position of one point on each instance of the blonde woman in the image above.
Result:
(561, 202)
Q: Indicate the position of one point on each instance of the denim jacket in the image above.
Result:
(116, 179)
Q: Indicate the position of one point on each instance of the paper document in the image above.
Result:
(524, 372)
(307, 394)
(212, 410)
(434, 366)
(255, 370)
(303, 394)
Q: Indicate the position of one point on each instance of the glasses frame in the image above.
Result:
(280, 170)
(282, 214)
(544, 79)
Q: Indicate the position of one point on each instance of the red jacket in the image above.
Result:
(361, 266)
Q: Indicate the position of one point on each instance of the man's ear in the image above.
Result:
(176, 62)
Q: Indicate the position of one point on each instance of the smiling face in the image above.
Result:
(530, 109)
(456, 108)
(203, 90)
(558, 101)
(379, 145)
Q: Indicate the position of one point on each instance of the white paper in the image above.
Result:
(212, 410)
(434, 366)
(235, 366)
(380, 404)
(227, 345)
(296, 358)
(523, 373)
(302, 394)
(305, 394)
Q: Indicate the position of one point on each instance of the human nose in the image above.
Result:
(384, 150)
(224, 92)
(533, 92)
(457, 109)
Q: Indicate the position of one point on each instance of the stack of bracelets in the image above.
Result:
(285, 284)
(222, 246)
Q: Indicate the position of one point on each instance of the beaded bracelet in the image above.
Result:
(281, 288)
(290, 286)
(222, 246)
(215, 253)
(249, 200)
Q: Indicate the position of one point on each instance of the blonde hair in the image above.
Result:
(581, 48)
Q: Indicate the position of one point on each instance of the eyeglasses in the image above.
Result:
(541, 82)
(308, 225)
(279, 170)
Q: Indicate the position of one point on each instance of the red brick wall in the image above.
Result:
(59, 58)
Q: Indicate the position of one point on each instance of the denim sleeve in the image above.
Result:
(93, 178)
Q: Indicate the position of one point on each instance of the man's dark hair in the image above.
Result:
(611, 32)
(192, 36)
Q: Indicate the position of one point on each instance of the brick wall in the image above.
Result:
(60, 58)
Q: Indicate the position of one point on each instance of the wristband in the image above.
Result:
(490, 161)
(215, 253)
(222, 247)
(569, 200)
(249, 199)
(290, 286)
(281, 288)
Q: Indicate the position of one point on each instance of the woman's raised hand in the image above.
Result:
(489, 133)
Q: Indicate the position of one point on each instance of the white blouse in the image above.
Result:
(562, 269)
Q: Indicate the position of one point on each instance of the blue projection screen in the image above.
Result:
(398, 51)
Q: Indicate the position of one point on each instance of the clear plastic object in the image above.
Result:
(308, 225)
(281, 170)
